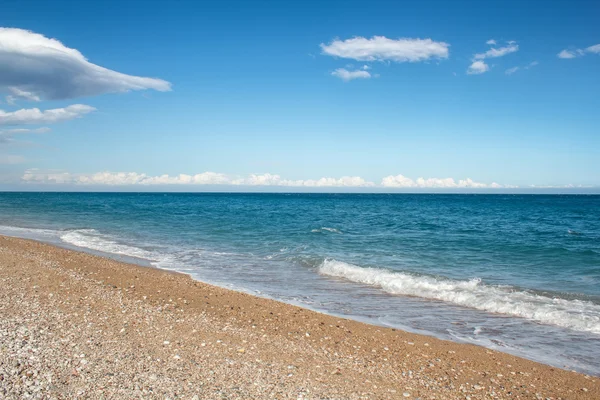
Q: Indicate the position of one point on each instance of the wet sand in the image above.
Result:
(75, 325)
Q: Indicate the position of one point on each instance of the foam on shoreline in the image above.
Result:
(572, 314)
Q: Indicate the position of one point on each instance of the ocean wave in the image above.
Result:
(572, 314)
(326, 229)
(94, 240)
(26, 232)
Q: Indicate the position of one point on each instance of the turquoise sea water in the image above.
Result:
(517, 273)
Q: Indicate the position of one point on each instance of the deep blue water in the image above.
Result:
(518, 273)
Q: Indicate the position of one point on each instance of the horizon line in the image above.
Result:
(533, 191)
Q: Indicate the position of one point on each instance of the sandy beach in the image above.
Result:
(75, 325)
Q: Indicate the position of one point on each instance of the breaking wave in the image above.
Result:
(94, 240)
(573, 314)
(326, 229)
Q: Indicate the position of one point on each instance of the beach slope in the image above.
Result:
(74, 325)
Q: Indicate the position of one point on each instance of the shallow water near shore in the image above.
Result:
(517, 273)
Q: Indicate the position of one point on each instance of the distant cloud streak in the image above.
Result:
(575, 53)
(512, 70)
(346, 75)
(500, 52)
(36, 116)
(566, 54)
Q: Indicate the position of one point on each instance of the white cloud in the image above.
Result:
(380, 48)
(478, 67)
(494, 53)
(132, 178)
(36, 116)
(206, 178)
(512, 70)
(122, 178)
(346, 75)
(400, 181)
(531, 64)
(35, 67)
(566, 54)
(276, 180)
(593, 49)
(272, 180)
(574, 53)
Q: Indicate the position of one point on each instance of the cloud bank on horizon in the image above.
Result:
(213, 178)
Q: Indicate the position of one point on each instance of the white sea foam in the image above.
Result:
(326, 229)
(26, 232)
(94, 240)
(573, 314)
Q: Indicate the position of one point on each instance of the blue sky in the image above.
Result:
(252, 93)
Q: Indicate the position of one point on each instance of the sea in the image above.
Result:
(514, 273)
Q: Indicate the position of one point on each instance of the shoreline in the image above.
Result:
(138, 261)
(214, 342)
